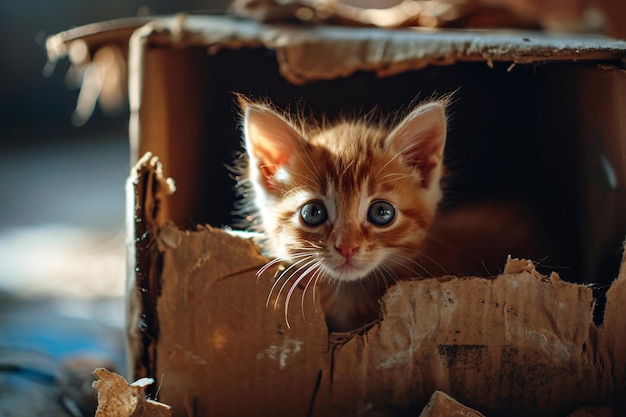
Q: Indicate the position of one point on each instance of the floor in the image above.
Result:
(62, 267)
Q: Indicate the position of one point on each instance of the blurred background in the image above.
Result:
(62, 260)
(62, 253)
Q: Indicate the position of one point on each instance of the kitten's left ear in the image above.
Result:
(271, 141)
(420, 139)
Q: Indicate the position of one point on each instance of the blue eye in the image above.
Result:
(381, 213)
(313, 213)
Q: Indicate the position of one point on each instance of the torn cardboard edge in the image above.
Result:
(118, 398)
(386, 52)
(94, 35)
(521, 343)
(441, 404)
(146, 188)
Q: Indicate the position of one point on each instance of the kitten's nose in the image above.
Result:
(347, 249)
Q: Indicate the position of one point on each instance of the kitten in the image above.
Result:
(346, 204)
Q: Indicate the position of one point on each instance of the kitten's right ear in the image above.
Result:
(420, 139)
(269, 139)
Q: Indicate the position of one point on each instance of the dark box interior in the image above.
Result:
(528, 134)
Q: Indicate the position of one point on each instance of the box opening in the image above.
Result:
(526, 139)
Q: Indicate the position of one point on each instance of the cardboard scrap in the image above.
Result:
(116, 398)
(442, 405)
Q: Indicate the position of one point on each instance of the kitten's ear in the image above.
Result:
(269, 138)
(420, 139)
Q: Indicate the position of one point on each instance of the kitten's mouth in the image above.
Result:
(348, 270)
(347, 266)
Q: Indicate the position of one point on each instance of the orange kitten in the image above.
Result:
(348, 204)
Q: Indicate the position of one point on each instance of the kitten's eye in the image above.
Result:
(313, 213)
(381, 213)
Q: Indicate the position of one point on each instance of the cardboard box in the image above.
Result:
(537, 119)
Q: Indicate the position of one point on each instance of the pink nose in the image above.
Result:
(347, 249)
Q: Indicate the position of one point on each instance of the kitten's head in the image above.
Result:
(348, 199)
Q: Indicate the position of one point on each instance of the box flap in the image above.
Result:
(387, 52)
(94, 35)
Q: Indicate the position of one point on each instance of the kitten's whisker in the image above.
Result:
(306, 177)
(314, 245)
(310, 251)
(277, 280)
(291, 173)
(315, 283)
(393, 177)
(295, 285)
(308, 262)
(379, 275)
(286, 273)
(314, 278)
(482, 262)
(304, 245)
(275, 261)
(443, 242)
(425, 256)
(294, 190)
(301, 277)
(267, 266)
(310, 163)
(390, 274)
(270, 264)
(396, 175)
(402, 262)
(347, 168)
(431, 259)
(302, 298)
(393, 158)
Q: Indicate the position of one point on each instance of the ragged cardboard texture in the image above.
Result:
(441, 404)
(118, 398)
(536, 118)
(520, 344)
